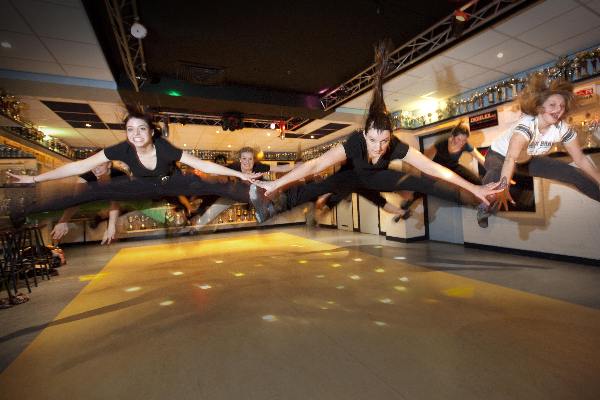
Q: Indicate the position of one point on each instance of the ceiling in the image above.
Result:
(55, 55)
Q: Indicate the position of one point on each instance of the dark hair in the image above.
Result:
(378, 117)
(537, 91)
(220, 159)
(460, 129)
(149, 119)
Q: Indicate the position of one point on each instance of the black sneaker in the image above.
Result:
(404, 216)
(263, 207)
(483, 213)
(405, 205)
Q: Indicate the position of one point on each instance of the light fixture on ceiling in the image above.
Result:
(459, 22)
(272, 126)
(228, 146)
(87, 124)
(218, 131)
(6, 45)
(138, 30)
(500, 55)
(269, 147)
(312, 136)
(184, 145)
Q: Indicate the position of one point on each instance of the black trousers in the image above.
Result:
(373, 197)
(467, 174)
(375, 181)
(124, 189)
(544, 167)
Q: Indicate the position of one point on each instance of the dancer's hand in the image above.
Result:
(109, 235)
(269, 186)
(251, 177)
(21, 178)
(488, 193)
(59, 231)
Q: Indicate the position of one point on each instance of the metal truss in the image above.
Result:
(122, 14)
(215, 120)
(426, 44)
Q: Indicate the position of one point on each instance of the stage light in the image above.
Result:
(272, 126)
(173, 93)
(459, 22)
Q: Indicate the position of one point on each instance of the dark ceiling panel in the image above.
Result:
(59, 106)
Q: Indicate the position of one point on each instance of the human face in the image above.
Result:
(247, 161)
(138, 133)
(377, 143)
(458, 140)
(101, 169)
(552, 109)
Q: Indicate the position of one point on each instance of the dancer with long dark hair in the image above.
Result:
(369, 153)
(152, 161)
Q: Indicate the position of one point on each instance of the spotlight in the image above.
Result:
(459, 23)
(138, 30)
(272, 126)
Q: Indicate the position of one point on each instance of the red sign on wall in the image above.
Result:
(484, 120)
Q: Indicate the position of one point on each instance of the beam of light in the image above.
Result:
(133, 289)
(166, 303)
(380, 270)
(203, 286)
(400, 288)
(354, 277)
(269, 318)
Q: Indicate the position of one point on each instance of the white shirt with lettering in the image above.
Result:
(539, 143)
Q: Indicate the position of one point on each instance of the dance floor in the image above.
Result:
(279, 316)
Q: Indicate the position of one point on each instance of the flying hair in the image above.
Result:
(378, 117)
(537, 91)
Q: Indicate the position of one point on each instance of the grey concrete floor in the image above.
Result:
(567, 282)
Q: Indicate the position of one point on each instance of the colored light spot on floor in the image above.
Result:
(380, 323)
(85, 278)
(177, 273)
(399, 258)
(465, 292)
(403, 279)
(166, 303)
(331, 302)
(357, 259)
(133, 289)
(386, 301)
(340, 287)
(327, 254)
(378, 246)
(238, 274)
(218, 261)
(400, 288)
(380, 270)
(348, 241)
(320, 276)
(354, 277)
(302, 262)
(336, 265)
(269, 318)
(203, 286)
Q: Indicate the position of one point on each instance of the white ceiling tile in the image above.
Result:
(565, 26)
(580, 42)
(523, 64)
(109, 112)
(399, 82)
(57, 21)
(511, 50)
(534, 16)
(475, 45)
(360, 102)
(483, 79)
(25, 46)
(40, 67)
(433, 66)
(10, 20)
(73, 53)
(101, 74)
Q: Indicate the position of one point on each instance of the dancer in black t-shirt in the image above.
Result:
(151, 160)
(370, 153)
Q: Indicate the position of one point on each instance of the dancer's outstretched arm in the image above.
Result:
(71, 169)
(213, 168)
(314, 166)
(418, 160)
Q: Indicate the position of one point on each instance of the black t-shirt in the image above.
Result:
(90, 177)
(166, 156)
(358, 157)
(447, 159)
(257, 167)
